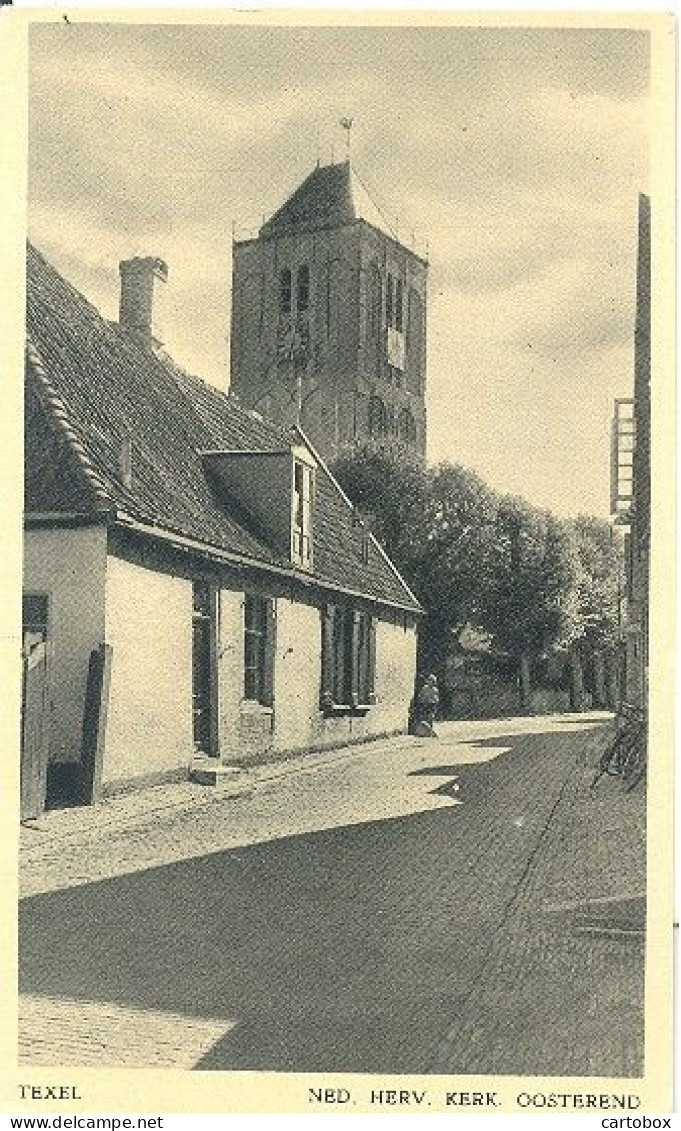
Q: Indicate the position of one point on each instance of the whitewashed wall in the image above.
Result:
(68, 565)
(149, 625)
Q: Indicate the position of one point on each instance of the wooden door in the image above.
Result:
(204, 668)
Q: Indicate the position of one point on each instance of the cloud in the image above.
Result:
(519, 152)
(582, 313)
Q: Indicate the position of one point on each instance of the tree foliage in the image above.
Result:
(391, 494)
(531, 581)
(437, 525)
(530, 600)
(600, 581)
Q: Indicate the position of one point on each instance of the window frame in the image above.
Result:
(302, 514)
(303, 283)
(285, 291)
(259, 635)
(43, 623)
(348, 660)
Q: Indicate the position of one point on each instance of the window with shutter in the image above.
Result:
(348, 659)
(371, 698)
(389, 302)
(259, 649)
(327, 688)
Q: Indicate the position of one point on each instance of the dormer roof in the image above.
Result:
(93, 391)
(332, 195)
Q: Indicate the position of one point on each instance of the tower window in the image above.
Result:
(389, 301)
(285, 291)
(398, 305)
(415, 341)
(303, 289)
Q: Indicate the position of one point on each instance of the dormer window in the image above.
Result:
(276, 488)
(301, 515)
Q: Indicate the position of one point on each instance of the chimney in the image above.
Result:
(138, 311)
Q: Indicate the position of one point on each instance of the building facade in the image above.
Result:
(329, 319)
(242, 610)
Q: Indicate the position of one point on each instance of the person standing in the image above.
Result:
(429, 701)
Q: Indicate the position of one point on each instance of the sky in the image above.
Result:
(518, 154)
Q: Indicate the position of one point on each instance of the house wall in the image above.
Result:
(249, 733)
(149, 625)
(395, 676)
(68, 565)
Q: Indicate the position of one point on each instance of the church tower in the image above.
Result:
(329, 319)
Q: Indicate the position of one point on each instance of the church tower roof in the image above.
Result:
(330, 196)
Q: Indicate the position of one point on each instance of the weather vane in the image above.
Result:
(346, 123)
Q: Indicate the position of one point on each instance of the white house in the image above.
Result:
(246, 612)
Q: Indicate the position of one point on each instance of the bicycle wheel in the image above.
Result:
(627, 752)
(609, 758)
(636, 766)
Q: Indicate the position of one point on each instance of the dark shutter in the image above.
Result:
(328, 615)
(270, 654)
(372, 659)
(356, 666)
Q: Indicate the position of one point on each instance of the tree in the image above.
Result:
(460, 532)
(530, 602)
(391, 494)
(437, 525)
(599, 586)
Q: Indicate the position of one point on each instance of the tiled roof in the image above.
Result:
(91, 386)
(330, 196)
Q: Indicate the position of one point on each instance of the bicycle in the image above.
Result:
(626, 756)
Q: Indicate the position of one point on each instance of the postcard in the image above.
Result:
(338, 492)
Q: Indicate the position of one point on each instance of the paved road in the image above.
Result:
(373, 918)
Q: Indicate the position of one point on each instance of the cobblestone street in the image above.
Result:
(406, 906)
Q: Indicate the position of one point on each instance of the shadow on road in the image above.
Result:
(352, 949)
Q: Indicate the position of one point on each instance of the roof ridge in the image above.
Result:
(355, 175)
(60, 415)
